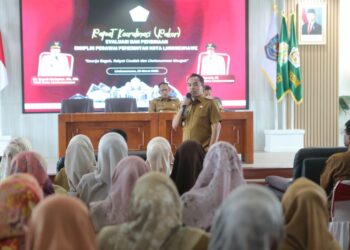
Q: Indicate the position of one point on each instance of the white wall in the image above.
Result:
(42, 129)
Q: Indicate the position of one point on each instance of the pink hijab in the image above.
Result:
(222, 172)
(114, 209)
(32, 163)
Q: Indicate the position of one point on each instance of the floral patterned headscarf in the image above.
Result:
(19, 194)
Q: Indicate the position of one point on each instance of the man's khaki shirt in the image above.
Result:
(199, 117)
(164, 105)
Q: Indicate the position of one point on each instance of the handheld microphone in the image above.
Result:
(188, 96)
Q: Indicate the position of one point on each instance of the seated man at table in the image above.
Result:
(207, 94)
(337, 166)
(165, 102)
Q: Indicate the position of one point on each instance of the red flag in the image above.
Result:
(3, 72)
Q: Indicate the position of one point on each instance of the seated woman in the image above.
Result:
(33, 163)
(188, 164)
(95, 186)
(159, 155)
(115, 208)
(222, 172)
(14, 147)
(154, 220)
(306, 217)
(79, 160)
(60, 222)
(250, 218)
(19, 194)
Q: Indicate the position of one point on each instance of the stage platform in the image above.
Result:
(265, 164)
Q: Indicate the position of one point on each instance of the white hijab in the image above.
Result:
(95, 186)
(15, 146)
(159, 155)
(79, 160)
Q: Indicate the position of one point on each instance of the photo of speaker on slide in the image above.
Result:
(55, 63)
(311, 27)
(211, 62)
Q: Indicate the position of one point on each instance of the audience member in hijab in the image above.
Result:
(306, 217)
(60, 222)
(114, 209)
(14, 147)
(61, 177)
(222, 172)
(19, 194)
(250, 218)
(79, 160)
(95, 186)
(188, 164)
(32, 163)
(154, 220)
(159, 155)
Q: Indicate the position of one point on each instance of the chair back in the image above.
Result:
(341, 201)
(305, 153)
(77, 105)
(120, 105)
(340, 224)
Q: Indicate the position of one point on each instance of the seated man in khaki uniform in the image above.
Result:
(207, 94)
(199, 116)
(337, 166)
(164, 103)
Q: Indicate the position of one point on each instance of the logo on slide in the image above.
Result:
(139, 14)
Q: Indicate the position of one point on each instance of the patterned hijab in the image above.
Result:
(221, 173)
(14, 147)
(19, 194)
(159, 155)
(114, 209)
(32, 163)
(250, 218)
(187, 165)
(79, 160)
(155, 215)
(60, 222)
(306, 217)
(95, 186)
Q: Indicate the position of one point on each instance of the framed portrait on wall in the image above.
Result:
(312, 24)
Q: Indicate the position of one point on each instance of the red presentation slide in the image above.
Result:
(100, 49)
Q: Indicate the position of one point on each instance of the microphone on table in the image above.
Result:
(188, 96)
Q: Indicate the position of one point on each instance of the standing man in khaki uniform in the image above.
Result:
(199, 116)
(164, 103)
